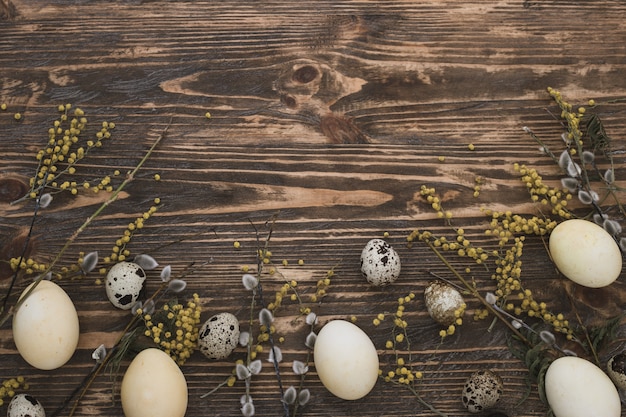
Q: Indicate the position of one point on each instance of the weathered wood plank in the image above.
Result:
(332, 114)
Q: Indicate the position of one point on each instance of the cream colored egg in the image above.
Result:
(346, 360)
(585, 253)
(577, 388)
(45, 327)
(153, 386)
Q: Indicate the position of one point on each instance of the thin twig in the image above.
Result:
(22, 255)
(476, 294)
(225, 382)
(260, 252)
(7, 314)
(424, 403)
(592, 348)
(111, 353)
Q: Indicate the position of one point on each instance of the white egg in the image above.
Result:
(45, 327)
(124, 283)
(24, 405)
(346, 360)
(585, 253)
(153, 386)
(577, 388)
(380, 263)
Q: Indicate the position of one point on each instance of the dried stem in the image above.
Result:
(111, 353)
(259, 290)
(7, 314)
(476, 294)
(424, 403)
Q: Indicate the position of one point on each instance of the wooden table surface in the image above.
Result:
(327, 116)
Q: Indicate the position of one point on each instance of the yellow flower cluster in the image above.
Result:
(528, 305)
(320, 289)
(174, 328)
(258, 348)
(400, 325)
(8, 387)
(403, 373)
(554, 197)
(265, 255)
(571, 116)
(29, 266)
(510, 293)
(540, 310)
(262, 337)
(280, 295)
(119, 252)
(458, 314)
(478, 182)
(435, 202)
(509, 270)
(63, 152)
(273, 306)
(462, 246)
(72, 269)
(510, 230)
(505, 226)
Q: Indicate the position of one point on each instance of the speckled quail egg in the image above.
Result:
(380, 263)
(443, 302)
(219, 336)
(616, 368)
(482, 390)
(124, 283)
(24, 405)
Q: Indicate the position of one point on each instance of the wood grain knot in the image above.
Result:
(11, 189)
(311, 88)
(340, 129)
(7, 10)
(300, 79)
(289, 101)
(305, 74)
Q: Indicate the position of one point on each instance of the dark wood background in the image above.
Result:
(331, 114)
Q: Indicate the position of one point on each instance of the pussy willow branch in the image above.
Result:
(476, 294)
(110, 354)
(22, 255)
(260, 255)
(584, 177)
(7, 314)
(301, 384)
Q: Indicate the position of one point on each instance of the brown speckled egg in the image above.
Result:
(442, 301)
(482, 391)
(219, 336)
